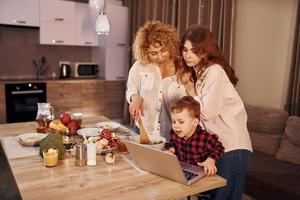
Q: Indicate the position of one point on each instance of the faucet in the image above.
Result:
(40, 67)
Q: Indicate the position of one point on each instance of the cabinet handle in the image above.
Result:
(58, 41)
(59, 19)
(121, 44)
(120, 78)
(19, 21)
(87, 42)
(64, 95)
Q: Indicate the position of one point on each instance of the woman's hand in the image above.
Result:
(136, 106)
(209, 166)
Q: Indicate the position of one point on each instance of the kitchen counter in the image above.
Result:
(93, 96)
(28, 80)
(117, 181)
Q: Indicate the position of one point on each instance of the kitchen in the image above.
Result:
(20, 45)
(29, 56)
(64, 72)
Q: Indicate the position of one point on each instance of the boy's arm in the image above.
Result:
(170, 146)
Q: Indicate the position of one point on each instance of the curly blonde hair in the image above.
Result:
(155, 32)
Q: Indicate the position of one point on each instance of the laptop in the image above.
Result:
(164, 164)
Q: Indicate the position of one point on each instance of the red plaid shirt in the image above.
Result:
(198, 147)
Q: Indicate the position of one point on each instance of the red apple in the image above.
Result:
(73, 127)
(65, 118)
(112, 144)
(106, 134)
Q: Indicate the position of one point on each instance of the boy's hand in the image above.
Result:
(209, 166)
(171, 150)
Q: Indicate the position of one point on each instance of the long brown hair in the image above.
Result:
(205, 45)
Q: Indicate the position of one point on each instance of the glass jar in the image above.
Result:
(45, 115)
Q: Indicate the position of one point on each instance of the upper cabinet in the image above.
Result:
(85, 25)
(118, 35)
(57, 22)
(57, 11)
(67, 23)
(16, 12)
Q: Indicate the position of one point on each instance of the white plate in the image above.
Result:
(25, 139)
(111, 126)
(88, 132)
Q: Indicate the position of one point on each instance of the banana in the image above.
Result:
(58, 126)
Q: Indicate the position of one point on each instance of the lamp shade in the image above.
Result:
(102, 24)
(97, 4)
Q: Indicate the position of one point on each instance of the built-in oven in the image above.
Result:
(22, 99)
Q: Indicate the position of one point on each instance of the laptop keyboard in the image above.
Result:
(189, 175)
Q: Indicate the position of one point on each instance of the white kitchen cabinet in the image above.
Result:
(113, 62)
(57, 33)
(57, 22)
(85, 25)
(118, 35)
(16, 12)
(57, 11)
(113, 52)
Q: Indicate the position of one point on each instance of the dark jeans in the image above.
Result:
(232, 167)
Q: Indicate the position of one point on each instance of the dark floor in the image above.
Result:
(8, 187)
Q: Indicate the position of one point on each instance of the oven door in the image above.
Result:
(21, 101)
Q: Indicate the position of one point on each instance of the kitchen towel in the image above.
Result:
(14, 149)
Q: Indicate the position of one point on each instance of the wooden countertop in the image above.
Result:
(118, 181)
(32, 80)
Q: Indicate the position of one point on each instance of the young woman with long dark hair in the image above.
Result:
(209, 78)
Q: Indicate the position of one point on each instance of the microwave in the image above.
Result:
(85, 70)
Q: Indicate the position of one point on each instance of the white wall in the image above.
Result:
(263, 36)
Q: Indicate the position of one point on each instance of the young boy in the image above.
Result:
(188, 141)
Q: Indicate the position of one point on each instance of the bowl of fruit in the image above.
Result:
(105, 142)
(65, 124)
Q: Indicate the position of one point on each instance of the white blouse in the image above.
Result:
(147, 82)
(222, 109)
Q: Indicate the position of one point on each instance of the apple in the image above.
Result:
(112, 144)
(65, 118)
(106, 134)
(73, 127)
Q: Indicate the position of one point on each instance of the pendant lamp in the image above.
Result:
(102, 25)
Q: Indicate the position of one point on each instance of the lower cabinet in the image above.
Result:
(2, 104)
(114, 99)
(65, 96)
(92, 97)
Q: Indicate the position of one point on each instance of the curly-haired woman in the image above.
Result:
(155, 49)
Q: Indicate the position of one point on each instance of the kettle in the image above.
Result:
(64, 69)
